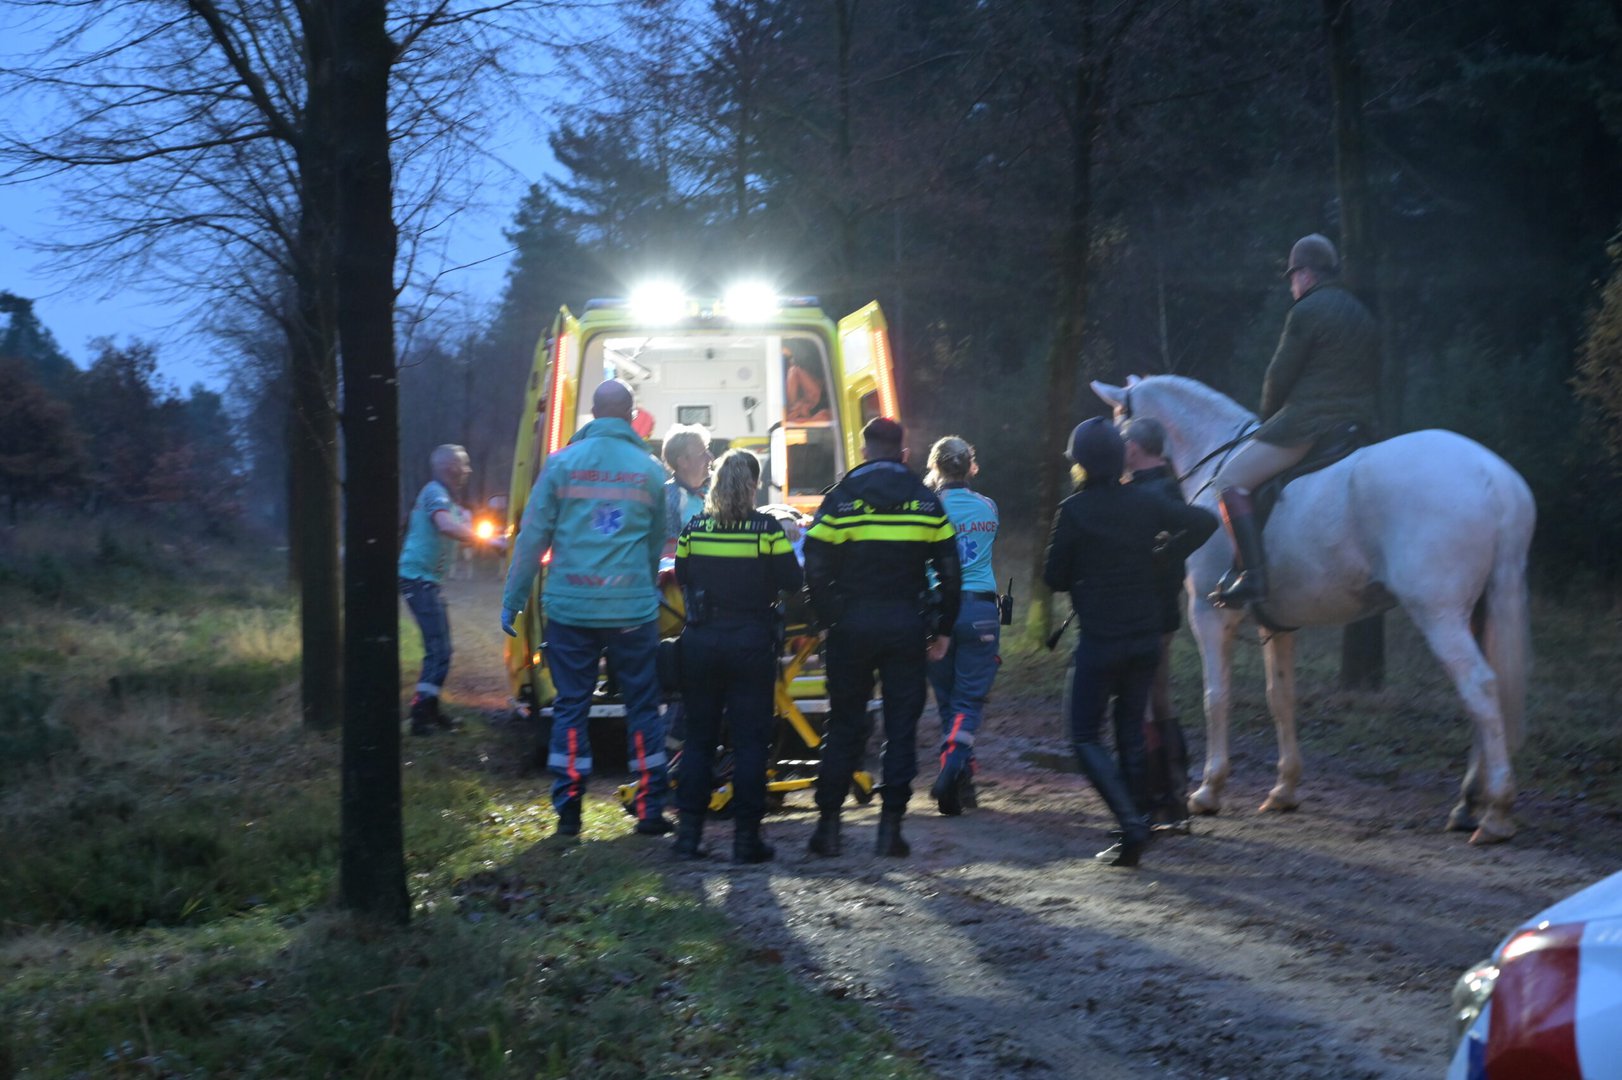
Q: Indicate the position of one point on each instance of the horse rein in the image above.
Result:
(1225, 451)
(1246, 430)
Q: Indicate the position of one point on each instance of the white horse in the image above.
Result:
(1429, 520)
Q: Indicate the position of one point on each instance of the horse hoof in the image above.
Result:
(1489, 832)
(1203, 802)
(1461, 820)
(1275, 802)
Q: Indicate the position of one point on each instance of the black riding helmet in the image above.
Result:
(1096, 446)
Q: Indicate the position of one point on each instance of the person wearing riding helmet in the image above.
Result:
(1107, 550)
(962, 678)
(1324, 374)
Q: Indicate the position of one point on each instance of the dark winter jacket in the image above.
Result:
(874, 534)
(1162, 482)
(1102, 551)
(1325, 371)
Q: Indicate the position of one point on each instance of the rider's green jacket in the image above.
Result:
(1326, 370)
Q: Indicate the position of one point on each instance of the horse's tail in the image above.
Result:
(1505, 627)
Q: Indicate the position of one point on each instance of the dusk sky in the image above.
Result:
(77, 307)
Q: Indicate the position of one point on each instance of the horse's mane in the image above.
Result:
(1195, 398)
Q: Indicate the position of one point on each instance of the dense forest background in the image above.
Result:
(933, 155)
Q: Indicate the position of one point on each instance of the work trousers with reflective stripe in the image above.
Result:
(728, 674)
(572, 653)
(887, 638)
(962, 680)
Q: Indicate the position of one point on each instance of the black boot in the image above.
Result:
(1249, 584)
(689, 837)
(825, 841)
(948, 792)
(569, 818)
(423, 711)
(1098, 765)
(889, 840)
(748, 845)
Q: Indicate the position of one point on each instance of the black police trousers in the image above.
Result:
(887, 638)
(728, 674)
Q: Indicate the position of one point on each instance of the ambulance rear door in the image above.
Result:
(866, 374)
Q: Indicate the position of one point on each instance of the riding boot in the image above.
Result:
(825, 841)
(888, 840)
(689, 837)
(1249, 584)
(748, 845)
(947, 789)
(1098, 765)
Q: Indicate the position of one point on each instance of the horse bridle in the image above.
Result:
(1246, 430)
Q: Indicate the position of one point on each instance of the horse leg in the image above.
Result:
(1465, 815)
(1214, 632)
(1278, 653)
(1489, 783)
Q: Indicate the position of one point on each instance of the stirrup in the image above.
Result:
(1246, 588)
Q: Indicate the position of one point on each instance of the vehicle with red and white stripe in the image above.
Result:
(1548, 1005)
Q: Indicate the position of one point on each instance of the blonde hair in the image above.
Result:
(951, 461)
(732, 489)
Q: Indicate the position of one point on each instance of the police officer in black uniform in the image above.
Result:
(865, 556)
(732, 563)
(1106, 550)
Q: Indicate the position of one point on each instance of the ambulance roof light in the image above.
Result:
(751, 302)
(659, 302)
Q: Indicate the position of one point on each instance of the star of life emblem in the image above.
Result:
(607, 518)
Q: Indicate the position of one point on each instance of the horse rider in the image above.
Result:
(733, 563)
(1105, 550)
(877, 531)
(1324, 374)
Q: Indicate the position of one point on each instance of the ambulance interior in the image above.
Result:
(739, 386)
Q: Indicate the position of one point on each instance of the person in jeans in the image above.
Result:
(1105, 550)
(437, 527)
(962, 678)
(733, 563)
(598, 507)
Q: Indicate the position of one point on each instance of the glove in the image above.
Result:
(507, 617)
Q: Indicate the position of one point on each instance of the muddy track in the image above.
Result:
(1313, 944)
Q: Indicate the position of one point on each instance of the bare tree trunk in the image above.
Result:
(1362, 651)
(1070, 321)
(844, 34)
(313, 434)
(372, 855)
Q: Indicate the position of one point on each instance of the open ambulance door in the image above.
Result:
(548, 403)
(866, 376)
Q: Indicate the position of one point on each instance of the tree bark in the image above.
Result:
(372, 856)
(1362, 653)
(1070, 321)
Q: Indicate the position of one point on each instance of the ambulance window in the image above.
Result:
(870, 406)
(812, 460)
(805, 392)
(694, 414)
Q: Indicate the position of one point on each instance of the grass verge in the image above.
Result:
(170, 854)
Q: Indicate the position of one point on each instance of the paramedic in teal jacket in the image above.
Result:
(962, 678)
(598, 507)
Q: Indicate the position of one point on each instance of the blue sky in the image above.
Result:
(78, 308)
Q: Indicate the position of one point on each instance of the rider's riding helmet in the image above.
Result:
(1096, 446)
(1315, 253)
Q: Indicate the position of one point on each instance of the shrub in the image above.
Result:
(27, 738)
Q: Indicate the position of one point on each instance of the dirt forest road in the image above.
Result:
(1322, 943)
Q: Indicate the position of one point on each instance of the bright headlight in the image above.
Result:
(659, 302)
(1470, 996)
(750, 301)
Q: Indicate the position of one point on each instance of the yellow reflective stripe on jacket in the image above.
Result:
(735, 546)
(776, 544)
(917, 528)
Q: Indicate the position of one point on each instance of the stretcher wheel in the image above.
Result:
(861, 788)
